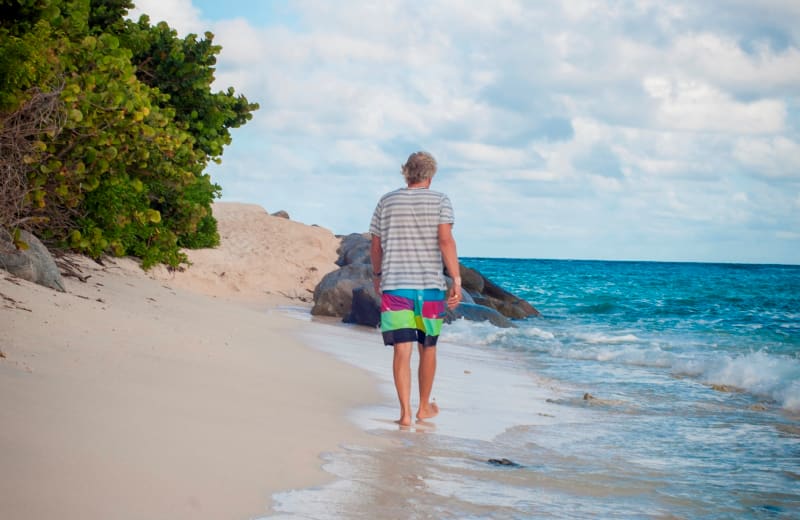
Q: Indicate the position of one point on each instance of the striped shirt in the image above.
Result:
(407, 222)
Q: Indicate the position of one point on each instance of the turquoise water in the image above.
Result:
(645, 390)
(724, 324)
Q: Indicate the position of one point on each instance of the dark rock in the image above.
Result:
(354, 249)
(333, 296)
(281, 214)
(35, 263)
(504, 462)
(473, 312)
(483, 300)
(505, 302)
(471, 280)
(366, 308)
(489, 294)
(514, 309)
(466, 297)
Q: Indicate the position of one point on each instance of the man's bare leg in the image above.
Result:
(402, 380)
(427, 371)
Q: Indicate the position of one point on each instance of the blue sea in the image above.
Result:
(645, 390)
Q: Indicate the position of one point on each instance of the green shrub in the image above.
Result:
(123, 174)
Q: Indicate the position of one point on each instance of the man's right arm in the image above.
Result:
(376, 256)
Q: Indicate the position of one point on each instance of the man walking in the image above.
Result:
(412, 234)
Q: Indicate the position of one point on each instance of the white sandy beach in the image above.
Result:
(172, 394)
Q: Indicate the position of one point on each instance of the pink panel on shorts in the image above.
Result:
(433, 309)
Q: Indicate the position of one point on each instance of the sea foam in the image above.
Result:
(765, 375)
(760, 373)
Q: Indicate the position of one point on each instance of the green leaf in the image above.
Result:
(18, 242)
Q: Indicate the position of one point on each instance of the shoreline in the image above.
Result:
(484, 395)
(128, 397)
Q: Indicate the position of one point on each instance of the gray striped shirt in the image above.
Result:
(407, 222)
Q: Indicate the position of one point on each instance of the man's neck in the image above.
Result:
(420, 185)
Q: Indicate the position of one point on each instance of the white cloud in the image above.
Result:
(721, 61)
(697, 106)
(529, 175)
(364, 153)
(581, 9)
(586, 117)
(772, 157)
(181, 15)
(480, 155)
(242, 43)
(606, 184)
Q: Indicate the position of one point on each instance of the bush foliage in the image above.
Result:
(123, 171)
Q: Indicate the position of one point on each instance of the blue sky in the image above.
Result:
(591, 129)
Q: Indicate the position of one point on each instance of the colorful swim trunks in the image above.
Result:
(412, 315)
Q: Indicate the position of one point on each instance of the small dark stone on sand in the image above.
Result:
(503, 462)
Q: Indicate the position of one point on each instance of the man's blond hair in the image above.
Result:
(419, 167)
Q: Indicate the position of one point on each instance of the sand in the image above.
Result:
(259, 256)
(172, 394)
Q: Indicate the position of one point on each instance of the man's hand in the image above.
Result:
(454, 296)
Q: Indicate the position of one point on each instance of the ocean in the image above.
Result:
(645, 390)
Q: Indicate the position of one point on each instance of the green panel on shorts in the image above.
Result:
(394, 320)
(432, 326)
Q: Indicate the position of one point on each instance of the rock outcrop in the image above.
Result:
(354, 250)
(333, 296)
(33, 263)
(348, 292)
(487, 293)
(366, 308)
(474, 312)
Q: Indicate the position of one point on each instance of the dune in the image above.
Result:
(172, 394)
(260, 258)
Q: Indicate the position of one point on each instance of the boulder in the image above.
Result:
(35, 263)
(515, 308)
(471, 280)
(508, 304)
(504, 462)
(365, 309)
(354, 249)
(281, 214)
(473, 312)
(466, 295)
(333, 296)
(485, 292)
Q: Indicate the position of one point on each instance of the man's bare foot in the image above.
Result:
(428, 411)
(404, 421)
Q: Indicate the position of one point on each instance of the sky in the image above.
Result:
(588, 129)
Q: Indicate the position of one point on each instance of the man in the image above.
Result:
(412, 233)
